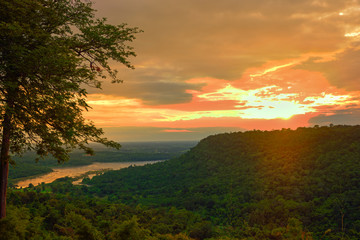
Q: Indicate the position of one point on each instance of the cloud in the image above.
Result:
(246, 124)
(349, 116)
(220, 39)
(342, 71)
(234, 63)
(153, 92)
(307, 92)
(154, 85)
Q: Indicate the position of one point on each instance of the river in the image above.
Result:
(78, 171)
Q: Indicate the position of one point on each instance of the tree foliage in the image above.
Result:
(33, 215)
(51, 51)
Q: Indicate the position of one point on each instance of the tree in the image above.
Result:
(51, 51)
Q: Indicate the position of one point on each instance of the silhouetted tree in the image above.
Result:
(50, 52)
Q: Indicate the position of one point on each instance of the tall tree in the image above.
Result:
(51, 51)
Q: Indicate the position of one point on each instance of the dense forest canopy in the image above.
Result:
(264, 178)
(282, 184)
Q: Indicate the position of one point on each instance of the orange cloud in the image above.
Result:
(247, 64)
(274, 101)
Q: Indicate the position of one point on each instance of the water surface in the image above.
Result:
(78, 171)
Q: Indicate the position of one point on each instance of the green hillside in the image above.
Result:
(268, 180)
(284, 184)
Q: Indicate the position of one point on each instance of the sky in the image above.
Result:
(208, 66)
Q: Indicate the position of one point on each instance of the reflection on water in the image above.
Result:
(77, 171)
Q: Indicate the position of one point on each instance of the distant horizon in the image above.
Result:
(124, 135)
(157, 134)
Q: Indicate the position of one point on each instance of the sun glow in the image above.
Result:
(270, 102)
(263, 103)
(272, 109)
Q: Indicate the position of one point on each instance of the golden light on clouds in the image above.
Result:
(353, 34)
(263, 103)
(330, 99)
(106, 100)
(272, 69)
(242, 64)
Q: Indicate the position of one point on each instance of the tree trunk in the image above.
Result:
(4, 159)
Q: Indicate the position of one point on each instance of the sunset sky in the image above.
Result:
(210, 66)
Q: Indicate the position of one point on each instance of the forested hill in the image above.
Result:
(258, 180)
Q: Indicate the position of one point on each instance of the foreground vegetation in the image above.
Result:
(285, 184)
(34, 215)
